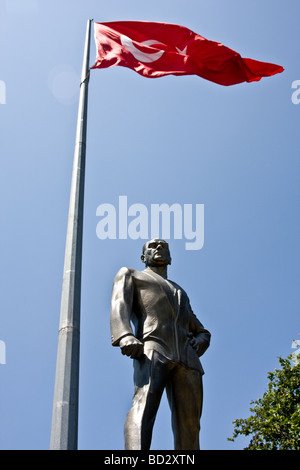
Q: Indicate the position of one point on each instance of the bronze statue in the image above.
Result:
(165, 346)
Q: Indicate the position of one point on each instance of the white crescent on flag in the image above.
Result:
(139, 55)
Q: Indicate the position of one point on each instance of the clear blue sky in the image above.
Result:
(174, 140)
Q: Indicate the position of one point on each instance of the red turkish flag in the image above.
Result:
(158, 49)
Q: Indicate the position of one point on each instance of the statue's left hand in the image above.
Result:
(194, 341)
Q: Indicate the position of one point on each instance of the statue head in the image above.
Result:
(156, 253)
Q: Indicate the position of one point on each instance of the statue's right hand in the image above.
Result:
(131, 346)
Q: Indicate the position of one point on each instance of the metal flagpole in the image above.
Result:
(64, 430)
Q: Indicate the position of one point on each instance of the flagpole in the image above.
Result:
(64, 430)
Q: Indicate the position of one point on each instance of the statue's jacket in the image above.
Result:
(160, 311)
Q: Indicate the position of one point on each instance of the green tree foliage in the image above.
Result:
(275, 422)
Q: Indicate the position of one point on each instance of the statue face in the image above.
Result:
(156, 253)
